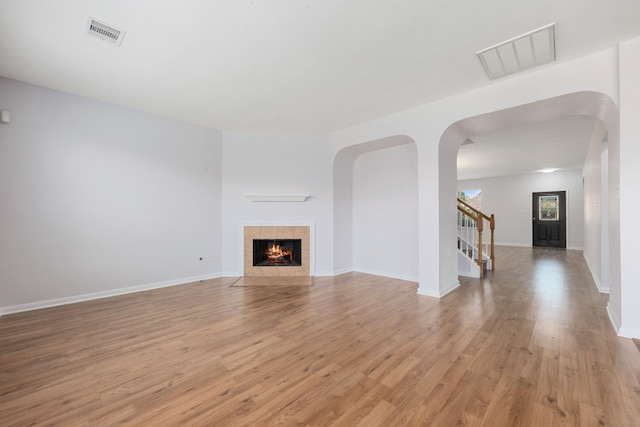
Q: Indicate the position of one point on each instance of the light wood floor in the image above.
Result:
(529, 345)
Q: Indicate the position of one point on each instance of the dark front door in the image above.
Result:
(549, 219)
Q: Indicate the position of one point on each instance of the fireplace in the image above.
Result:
(277, 250)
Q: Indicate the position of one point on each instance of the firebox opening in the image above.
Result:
(277, 252)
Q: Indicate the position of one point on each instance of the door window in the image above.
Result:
(548, 208)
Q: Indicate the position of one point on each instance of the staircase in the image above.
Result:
(475, 256)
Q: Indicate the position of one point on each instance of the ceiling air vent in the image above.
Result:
(528, 50)
(104, 32)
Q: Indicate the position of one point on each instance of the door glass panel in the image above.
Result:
(548, 208)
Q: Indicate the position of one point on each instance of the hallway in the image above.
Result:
(559, 359)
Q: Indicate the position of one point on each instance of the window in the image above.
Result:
(471, 197)
(548, 208)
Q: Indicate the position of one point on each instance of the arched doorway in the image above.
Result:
(592, 104)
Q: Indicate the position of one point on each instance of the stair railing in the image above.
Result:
(470, 227)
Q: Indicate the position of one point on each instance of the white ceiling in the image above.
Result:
(286, 65)
(556, 144)
(304, 65)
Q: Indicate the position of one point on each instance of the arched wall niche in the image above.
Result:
(343, 196)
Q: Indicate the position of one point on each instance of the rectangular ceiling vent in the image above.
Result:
(104, 32)
(526, 51)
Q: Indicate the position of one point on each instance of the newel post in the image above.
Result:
(480, 222)
(492, 226)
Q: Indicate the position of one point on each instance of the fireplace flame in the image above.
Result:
(276, 252)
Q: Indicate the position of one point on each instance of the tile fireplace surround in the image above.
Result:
(276, 233)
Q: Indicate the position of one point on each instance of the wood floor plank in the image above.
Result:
(363, 406)
(529, 344)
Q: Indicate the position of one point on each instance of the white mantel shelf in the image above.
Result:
(276, 198)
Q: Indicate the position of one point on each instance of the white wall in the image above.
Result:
(98, 200)
(605, 85)
(585, 86)
(263, 163)
(385, 212)
(604, 217)
(509, 198)
(594, 194)
(629, 54)
(125, 195)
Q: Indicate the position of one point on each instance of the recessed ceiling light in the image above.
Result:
(528, 50)
(548, 170)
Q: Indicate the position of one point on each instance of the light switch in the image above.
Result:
(5, 116)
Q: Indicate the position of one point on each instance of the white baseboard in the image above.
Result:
(629, 333)
(528, 245)
(602, 289)
(327, 273)
(516, 245)
(104, 294)
(450, 289)
(231, 274)
(613, 319)
(428, 293)
(387, 274)
(439, 294)
(620, 331)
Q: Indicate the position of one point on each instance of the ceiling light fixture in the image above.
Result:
(548, 170)
(526, 51)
